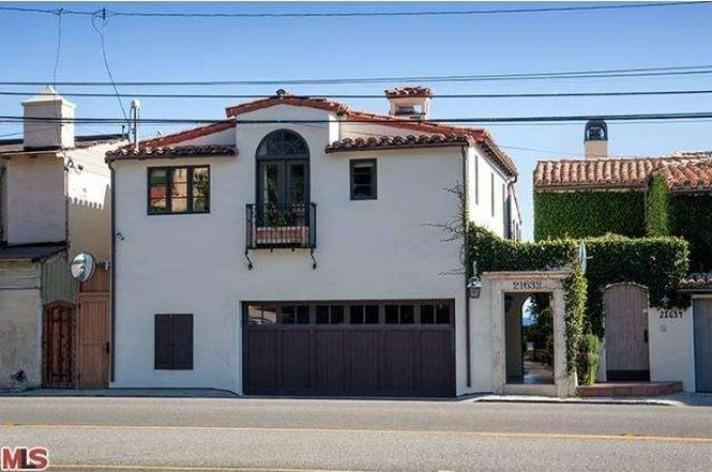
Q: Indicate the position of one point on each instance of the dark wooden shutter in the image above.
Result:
(163, 342)
(182, 341)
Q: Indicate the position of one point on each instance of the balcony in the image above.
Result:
(273, 227)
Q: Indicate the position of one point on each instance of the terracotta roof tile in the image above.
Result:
(417, 91)
(387, 142)
(188, 134)
(688, 177)
(147, 152)
(600, 173)
(288, 99)
(697, 281)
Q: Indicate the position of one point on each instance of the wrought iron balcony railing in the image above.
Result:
(270, 226)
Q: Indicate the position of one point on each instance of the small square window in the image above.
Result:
(371, 314)
(363, 179)
(337, 314)
(443, 314)
(356, 314)
(391, 314)
(427, 314)
(303, 314)
(407, 314)
(322, 314)
(288, 315)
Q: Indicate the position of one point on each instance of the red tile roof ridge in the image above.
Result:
(188, 134)
(131, 152)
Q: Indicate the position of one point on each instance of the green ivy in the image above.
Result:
(658, 208)
(658, 263)
(691, 219)
(587, 214)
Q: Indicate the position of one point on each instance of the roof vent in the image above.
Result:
(410, 102)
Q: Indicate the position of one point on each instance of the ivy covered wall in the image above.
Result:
(588, 213)
(658, 263)
(691, 218)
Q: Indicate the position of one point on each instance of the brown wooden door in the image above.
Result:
(93, 340)
(58, 344)
(703, 344)
(626, 311)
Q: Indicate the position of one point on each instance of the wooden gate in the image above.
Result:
(93, 330)
(58, 345)
(626, 313)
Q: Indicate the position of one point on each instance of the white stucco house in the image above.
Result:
(54, 203)
(299, 247)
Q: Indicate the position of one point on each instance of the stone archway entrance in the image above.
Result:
(497, 289)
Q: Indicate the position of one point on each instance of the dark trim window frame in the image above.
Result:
(195, 190)
(360, 190)
(173, 342)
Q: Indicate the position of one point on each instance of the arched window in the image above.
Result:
(283, 144)
(282, 175)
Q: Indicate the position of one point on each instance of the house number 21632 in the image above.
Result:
(527, 284)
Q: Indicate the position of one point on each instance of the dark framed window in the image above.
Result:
(329, 314)
(363, 314)
(178, 190)
(400, 314)
(435, 314)
(364, 179)
(173, 342)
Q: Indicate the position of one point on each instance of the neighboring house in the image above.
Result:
(54, 203)
(637, 197)
(304, 247)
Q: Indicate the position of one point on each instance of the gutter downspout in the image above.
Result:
(465, 226)
(112, 275)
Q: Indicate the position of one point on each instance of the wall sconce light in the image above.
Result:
(474, 284)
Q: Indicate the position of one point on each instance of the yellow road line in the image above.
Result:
(183, 468)
(483, 434)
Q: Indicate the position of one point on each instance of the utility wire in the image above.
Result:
(100, 31)
(58, 49)
(495, 11)
(374, 96)
(585, 74)
(387, 121)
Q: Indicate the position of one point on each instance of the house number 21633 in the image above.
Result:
(527, 284)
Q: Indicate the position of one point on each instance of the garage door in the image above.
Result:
(703, 344)
(404, 348)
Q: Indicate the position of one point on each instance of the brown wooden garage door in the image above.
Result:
(404, 348)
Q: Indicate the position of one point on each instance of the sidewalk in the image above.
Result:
(124, 392)
(677, 399)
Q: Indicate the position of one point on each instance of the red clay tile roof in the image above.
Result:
(688, 177)
(287, 99)
(145, 152)
(698, 281)
(192, 133)
(417, 91)
(387, 142)
(621, 173)
(480, 135)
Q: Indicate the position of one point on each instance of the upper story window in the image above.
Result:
(176, 190)
(363, 179)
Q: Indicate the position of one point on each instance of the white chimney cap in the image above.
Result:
(48, 94)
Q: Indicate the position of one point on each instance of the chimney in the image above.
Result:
(40, 128)
(409, 102)
(595, 140)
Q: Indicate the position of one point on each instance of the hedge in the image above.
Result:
(658, 208)
(691, 219)
(588, 214)
(658, 263)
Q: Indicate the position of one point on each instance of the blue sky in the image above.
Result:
(236, 49)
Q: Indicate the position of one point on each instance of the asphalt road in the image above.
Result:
(266, 434)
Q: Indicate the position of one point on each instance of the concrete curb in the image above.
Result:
(577, 401)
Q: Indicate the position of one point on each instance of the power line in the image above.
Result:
(585, 74)
(387, 121)
(375, 96)
(496, 11)
(58, 49)
(102, 42)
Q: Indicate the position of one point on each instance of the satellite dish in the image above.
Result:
(582, 256)
(83, 266)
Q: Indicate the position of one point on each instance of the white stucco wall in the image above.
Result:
(672, 346)
(20, 322)
(481, 174)
(36, 210)
(372, 249)
(89, 192)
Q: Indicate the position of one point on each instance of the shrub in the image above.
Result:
(589, 359)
